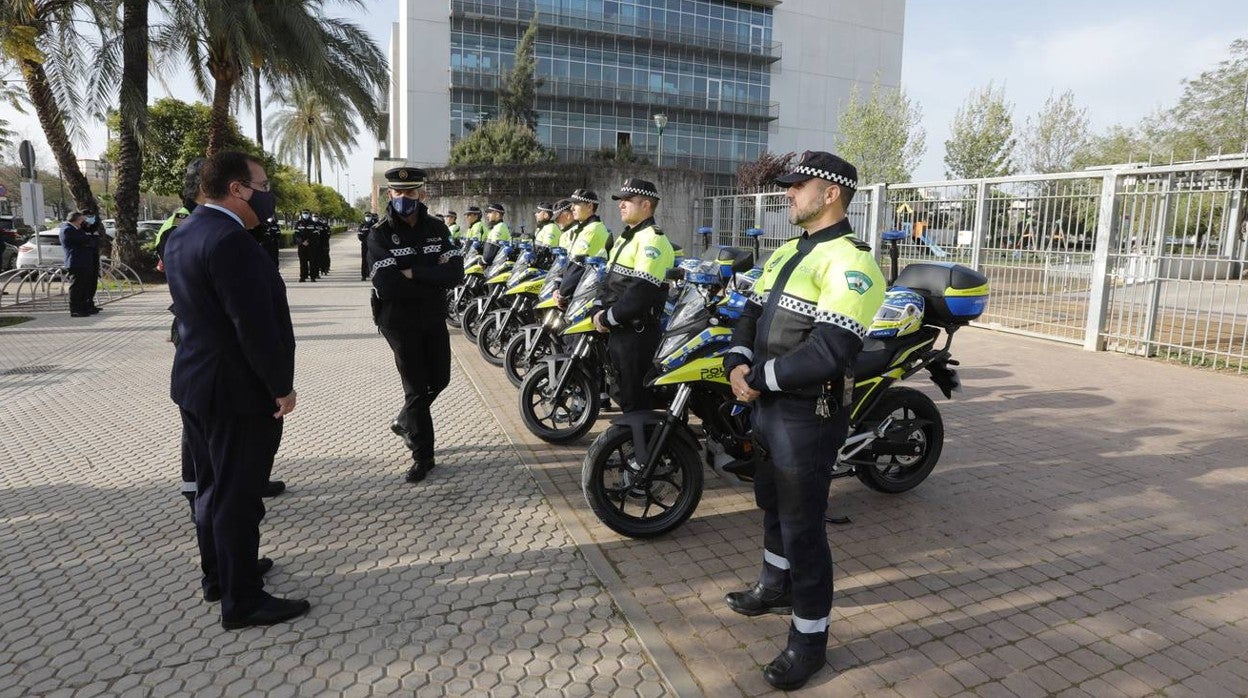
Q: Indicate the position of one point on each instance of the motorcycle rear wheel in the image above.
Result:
(608, 482)
(895, 473)
(515, 364)
(563, 418)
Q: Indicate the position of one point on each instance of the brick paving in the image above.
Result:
(1080, 536)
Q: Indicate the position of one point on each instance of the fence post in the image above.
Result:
(716, 223)
(1161, 227)
(1098, 293)
(877, 215)
(980, 226)
(758, 219)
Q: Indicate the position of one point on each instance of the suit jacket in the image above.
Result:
(82, 249)
(237, 349)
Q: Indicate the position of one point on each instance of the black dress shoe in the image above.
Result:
(405, 434)
(263, 566)
(758, 600)
(419, 470)
(80, 314)
(792, 669)
(273, 488)
(93, 311)
(271, 612)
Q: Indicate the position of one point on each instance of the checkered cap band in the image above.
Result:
(582, 199)
(824, 174)
(640, 192)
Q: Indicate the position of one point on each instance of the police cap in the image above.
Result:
(584, 196)
(636, 187)
(545, 207)
(562, 205)
(816, 163)
(496, 208)
(405, 178)
(473, 211)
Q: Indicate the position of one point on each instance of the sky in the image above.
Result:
(1122, 60)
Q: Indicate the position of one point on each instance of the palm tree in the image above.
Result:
(224, 41)
(310, 127)
(41, 38)
(133, 126)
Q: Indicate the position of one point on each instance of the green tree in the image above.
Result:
(309, 128)
(177, 133)
(981, 142)
(1055, 135)
(1118, 144)
(1212, 113)
(519, 94)
(132, 122)
(222, 40)
(500, 142)
(42, 38)
(881, 135)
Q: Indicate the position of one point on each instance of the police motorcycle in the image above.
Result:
(472, 287)
(541, 338)
(524, 287)
(495, 282)
(643, 476)
(560, 395)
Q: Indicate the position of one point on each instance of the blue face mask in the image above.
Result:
(90, 220)
(403, 205)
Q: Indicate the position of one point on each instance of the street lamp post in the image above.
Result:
(660, 120)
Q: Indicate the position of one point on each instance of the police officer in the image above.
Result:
(497, 234)
(322, 239)
(792, 354)
(548, 230)
(269, 235)
(564, 219)
(476, 231)
(370, 219)
(413, 265)
(587, 237)
(82, 259)
(634, 292)
(453, 227)
(306, 232)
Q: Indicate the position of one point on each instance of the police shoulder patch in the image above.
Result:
(652, 252)
(858, 282)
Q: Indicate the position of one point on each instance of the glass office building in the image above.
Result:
(714, 68)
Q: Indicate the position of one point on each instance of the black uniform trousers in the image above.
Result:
(632, 354)
(233, 457)
(308, 266)
(791, 487)
(82, 288)
(324, 253)
(422, 353)
(363, 260)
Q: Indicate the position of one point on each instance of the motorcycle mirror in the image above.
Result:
(754, 232)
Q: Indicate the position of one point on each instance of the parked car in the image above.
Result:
(49, 250)
(9, 232)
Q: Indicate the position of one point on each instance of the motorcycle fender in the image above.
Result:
(638, 421)
(945, 378)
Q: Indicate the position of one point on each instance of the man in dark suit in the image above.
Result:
(82, 259)
(233, 376)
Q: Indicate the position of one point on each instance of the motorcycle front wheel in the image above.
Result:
(455, 303)
(609, 480)
(471, 320)
(921, 426)
(490, 340)
(516, 361)
(562, 418)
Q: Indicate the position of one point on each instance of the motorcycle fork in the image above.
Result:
(578, 353)
(655, 444)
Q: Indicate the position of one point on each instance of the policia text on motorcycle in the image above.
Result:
(792, 354)
(413, 263)
(634, 293)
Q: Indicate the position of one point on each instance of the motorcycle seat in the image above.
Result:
(877, 354)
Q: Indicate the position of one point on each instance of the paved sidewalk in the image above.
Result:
(463, 585)
(1082, 535)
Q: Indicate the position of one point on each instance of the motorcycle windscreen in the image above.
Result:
(690, 317)
(585, 298)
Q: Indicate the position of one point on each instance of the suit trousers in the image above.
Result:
(307, 262)
(632, 354)
(422, 353)
(791, 487)
(82, 288)
(233, 455)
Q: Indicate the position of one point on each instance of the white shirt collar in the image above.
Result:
(227, 212)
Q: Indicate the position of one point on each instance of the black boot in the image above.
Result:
(794, 666)
(758, 600)
(420, 469)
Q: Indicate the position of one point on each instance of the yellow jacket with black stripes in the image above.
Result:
(636, 271)
(587, 238)
(809, 312)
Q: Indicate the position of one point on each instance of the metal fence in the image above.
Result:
(1139, 260)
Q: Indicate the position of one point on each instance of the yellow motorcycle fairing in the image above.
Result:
(707, 368)
(501, 278)
(475, 269)
(585, 325)
(534, 287)
(548, 303)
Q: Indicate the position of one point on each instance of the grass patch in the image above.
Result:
(10, 320)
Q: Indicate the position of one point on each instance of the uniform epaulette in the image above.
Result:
(657, 230)
(863, 246)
